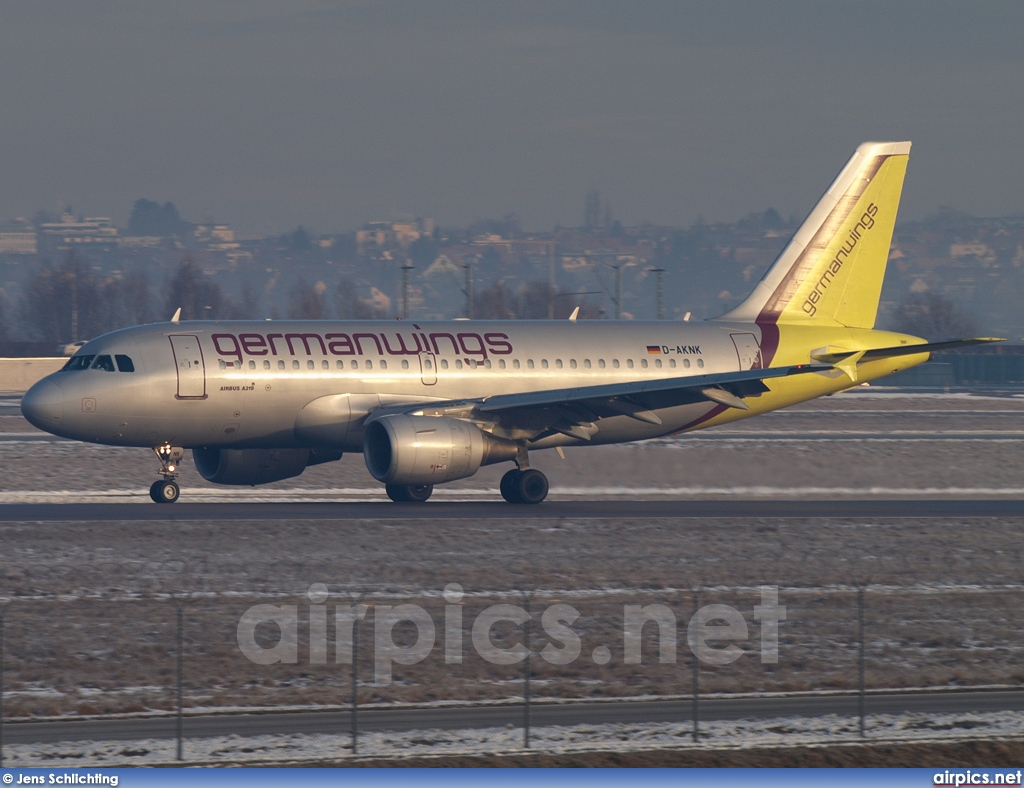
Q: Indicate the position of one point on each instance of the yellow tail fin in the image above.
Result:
(831, 272)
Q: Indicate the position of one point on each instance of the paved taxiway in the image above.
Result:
(541, 714)
(482, 510)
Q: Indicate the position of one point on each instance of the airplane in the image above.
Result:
(429, 402)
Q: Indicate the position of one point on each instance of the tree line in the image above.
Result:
(73, 301)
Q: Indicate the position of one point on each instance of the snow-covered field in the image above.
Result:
(297, 748)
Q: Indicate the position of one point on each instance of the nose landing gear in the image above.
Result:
(166, 490)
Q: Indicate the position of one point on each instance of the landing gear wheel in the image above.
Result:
(529, 486)
(164, 491)
(508, 485)
(409, 493)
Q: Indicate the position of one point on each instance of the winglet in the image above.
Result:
(177, 316)
(575, 314)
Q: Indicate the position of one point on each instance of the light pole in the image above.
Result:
(469, 290)
(405, 288)
(659, 274)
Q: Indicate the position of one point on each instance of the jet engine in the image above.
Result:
(403, 449)
(256, 466)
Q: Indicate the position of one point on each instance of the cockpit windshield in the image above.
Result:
(104, 362)
(79, 362)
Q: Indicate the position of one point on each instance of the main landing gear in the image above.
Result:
(524, 486)
(408, 493)
(166, 490)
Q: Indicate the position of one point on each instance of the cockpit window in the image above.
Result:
(103, 362)
(79, 362)
(124, 364)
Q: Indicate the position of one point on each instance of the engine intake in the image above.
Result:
(255, 466)
(402, 449)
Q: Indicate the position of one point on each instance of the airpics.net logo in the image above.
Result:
(975, 777)
(716, 634)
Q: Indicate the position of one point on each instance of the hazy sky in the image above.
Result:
(267, 115)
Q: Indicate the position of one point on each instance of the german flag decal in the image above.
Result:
(653, 350)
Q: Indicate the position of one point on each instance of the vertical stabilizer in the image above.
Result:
(832, 270)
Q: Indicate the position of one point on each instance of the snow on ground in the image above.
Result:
(620, 737)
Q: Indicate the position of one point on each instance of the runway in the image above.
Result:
(498, 510)
(500, 716)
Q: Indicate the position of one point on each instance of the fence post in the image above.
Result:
(526, 680)
(3, 615)
(179, 727)
(696, 675)
(355, 685)
(860, 657)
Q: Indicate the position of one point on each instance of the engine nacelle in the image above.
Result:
(402, 449)
(251, 466)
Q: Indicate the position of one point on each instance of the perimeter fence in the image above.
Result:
(113, 677)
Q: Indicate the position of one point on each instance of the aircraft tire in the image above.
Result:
(508, 486)
(531, 486)
(164, 491)
(409, 493)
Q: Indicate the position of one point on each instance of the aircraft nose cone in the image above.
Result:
(43, 405)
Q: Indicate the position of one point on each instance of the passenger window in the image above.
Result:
(124, 364)
(103, 362)
(686, 363)
(458, 364)
(223, 364)
(501, 363)
(515, 363)
(266, 365)
(355, 364)
(558, 363)
(615, 363)
(629, 363)
(600, 363)
(444, 363)
(427, 364)
(487, 363)
(252, 364)
(643, 363)
(586, 363)
(672, 362)
(310, 364)
(405, 363)
(529, 363)
(700, 363)
(295, 364)
(657, 362)
(280, 365)
(79, 362)
(383, 364)
(326, 364)
(369, 364)
(572, 363)
(544, 364)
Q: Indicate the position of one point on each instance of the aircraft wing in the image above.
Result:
(573, 411)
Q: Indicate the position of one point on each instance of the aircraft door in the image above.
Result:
(428, 369)
(188, 358)
(748, 351)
